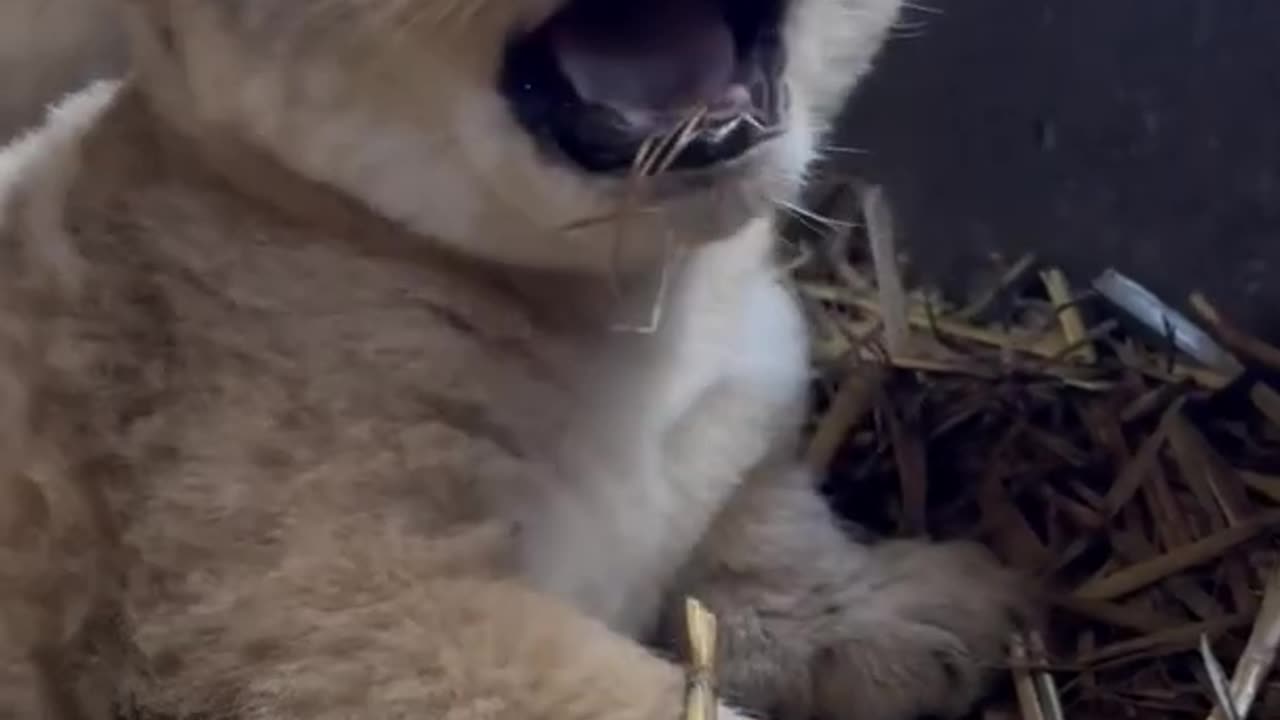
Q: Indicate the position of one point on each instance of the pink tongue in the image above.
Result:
(655, 57)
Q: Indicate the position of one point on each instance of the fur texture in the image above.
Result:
(311, 406)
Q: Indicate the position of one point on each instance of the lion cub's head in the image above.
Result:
(529, 131)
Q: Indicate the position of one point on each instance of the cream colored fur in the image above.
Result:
(311, 406)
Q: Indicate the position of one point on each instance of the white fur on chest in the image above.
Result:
(669, 442)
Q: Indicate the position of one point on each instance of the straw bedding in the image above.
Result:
(1123, 454)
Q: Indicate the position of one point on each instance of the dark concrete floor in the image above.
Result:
(1139, 134)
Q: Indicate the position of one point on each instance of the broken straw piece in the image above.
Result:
(1259, 656)
(700, 703)
(1165, 321)
(1217, 680)
(884, 255)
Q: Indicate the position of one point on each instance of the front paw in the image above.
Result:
(922, 631)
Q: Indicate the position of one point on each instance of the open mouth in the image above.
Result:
(600, 78)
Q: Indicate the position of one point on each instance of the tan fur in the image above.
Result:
(311, 407)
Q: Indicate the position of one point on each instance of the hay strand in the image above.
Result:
(892, 298)
(1258, 658)
(700, 624)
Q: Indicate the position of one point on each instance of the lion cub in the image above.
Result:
(352, 365)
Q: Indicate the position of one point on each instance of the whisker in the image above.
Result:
(828, 223)
(843, 150)
(920, 7)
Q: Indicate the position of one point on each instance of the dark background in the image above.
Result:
(1139, 134)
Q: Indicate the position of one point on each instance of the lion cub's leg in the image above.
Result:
(345, 628)
(21, 694)
(55, 603)
(814, 624)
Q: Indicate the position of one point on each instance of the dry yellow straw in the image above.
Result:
(884, 255)
(700, 703)
(1024, 681)
(1074, 331)
(1259, 655)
